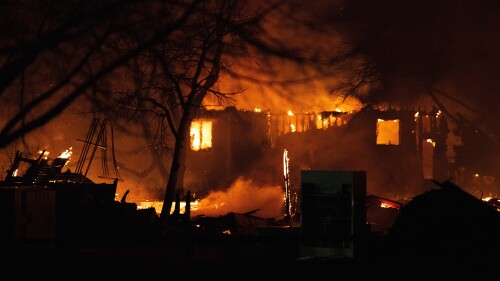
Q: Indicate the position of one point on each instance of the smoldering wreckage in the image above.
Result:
(429, 209)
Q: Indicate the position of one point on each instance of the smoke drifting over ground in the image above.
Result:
(243, 196)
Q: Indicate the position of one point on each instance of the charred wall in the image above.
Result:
(239, 140)
(391, 169)
(477, 159)
(244, 145)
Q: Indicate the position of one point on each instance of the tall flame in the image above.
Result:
(287, 182)
(201, 135)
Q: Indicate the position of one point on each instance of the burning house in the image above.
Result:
(402, 152)
(399, 149)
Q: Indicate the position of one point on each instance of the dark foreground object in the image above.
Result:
(443, 234)
(448, 232)
(234, 258)
(229, 258)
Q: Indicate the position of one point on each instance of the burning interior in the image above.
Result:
(201, 135)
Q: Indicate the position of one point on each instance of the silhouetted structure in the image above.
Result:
(446, 232)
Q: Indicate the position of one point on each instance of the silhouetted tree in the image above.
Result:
(411, 51)
(172, 80)
(53, 52)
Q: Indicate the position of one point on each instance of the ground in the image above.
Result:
(228, 258)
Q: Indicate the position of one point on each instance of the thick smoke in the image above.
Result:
(415, 48)
(244, 196)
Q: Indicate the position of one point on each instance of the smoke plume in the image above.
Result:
(243, 196)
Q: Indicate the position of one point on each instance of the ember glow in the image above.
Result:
(386, 205)
(201, 135)
(431, 142)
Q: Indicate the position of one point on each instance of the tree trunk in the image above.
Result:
(178, 162)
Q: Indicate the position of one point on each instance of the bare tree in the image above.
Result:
(172, 80)
(52, 53)
(177, 75)
(176, 50)
(410, 51)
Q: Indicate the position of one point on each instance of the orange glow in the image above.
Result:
(158, 205)
(201, 135)
(66, 154)
(428, 158)
(431, 142)
(388, 132)
(319, 122)
(385, 205)
(286, 175)
(285, 163)
(241, 197)
(45, 154)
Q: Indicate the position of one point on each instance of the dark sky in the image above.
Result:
(418, 46)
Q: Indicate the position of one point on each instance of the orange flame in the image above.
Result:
(201, 135)
(66, 154)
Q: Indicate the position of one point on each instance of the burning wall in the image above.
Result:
(388, 144)
(391, 168)
(239, 139)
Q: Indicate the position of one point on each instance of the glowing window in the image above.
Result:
(388, 132)
(201, 135)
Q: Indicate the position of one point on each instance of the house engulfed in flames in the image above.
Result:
(400, 149)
